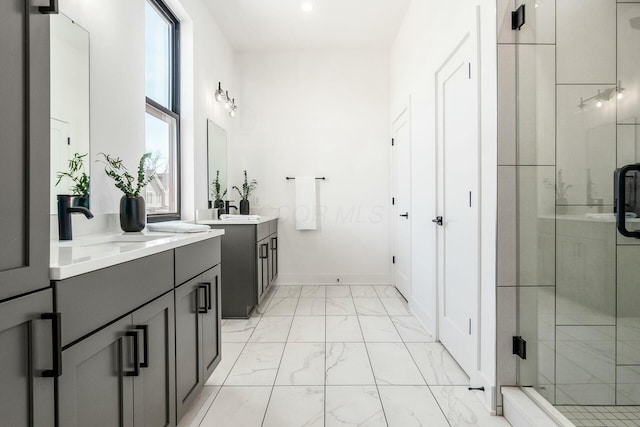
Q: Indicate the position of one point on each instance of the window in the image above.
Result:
(162, 125)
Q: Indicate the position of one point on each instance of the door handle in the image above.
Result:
(208, 285)
(51, 9)
(621, 205)
(405, 215)
(438, 220)
(274, 243)
(145, 344)
(56, 339)
(136, 355)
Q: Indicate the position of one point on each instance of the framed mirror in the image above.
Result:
(70, 130)
(217, 162)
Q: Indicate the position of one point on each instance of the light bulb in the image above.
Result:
(599, 104)
(227, 102)
(234, 108)
(619, 95)
(307, 7)
(220, 93)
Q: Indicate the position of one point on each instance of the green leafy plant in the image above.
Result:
(124, 181)
(247, 187)
(77, 175)
(215, 188)
(562, 187)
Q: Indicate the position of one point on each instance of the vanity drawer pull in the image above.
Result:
(264, 254)
(274, 243)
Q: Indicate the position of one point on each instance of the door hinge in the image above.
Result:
(393, 142)
(393, 260)
(469, 326)
(393, 200)
(69, 140)
(469, 70)
(517, 18)
(520, 347)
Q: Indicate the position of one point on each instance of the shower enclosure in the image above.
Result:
(569, 117)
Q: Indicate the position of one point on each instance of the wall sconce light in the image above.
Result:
(219, 93)
(229, 103)
(602, 96)
(233, 109)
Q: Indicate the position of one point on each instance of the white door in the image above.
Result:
(457, 205)
(401, 149)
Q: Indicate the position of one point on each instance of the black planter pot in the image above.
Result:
(80, 201)
(133, 215)
(244, 207)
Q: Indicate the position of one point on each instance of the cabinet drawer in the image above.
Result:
(193, 259)
(89, 301)
(264, 230)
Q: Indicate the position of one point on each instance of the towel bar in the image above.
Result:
(321, 178)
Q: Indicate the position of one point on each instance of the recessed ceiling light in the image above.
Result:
(307, 6)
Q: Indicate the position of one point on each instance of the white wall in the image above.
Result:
(320, 113)
(429, 33)
(116, 29)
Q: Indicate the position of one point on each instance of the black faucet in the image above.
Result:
(64, 216)
(227, 206)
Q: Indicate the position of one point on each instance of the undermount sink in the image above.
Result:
(117, 240)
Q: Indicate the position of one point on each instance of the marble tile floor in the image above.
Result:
(335, 356)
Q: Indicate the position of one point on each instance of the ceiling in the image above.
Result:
(283, 25)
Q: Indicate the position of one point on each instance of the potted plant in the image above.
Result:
(561, 194)
(247, 188)
(215, 192)
(79, 178)
(132, 206)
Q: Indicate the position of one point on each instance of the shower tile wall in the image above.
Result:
(563, 128)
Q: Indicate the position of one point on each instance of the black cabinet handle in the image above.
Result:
(208, 294)
(621, 206)
(145, 344)
(51, 9)
(136, 355)
(274, 243)
(405, 215)
(56, 341)
(202, 309)
(264, 254)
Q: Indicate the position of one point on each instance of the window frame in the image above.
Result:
(174, 103)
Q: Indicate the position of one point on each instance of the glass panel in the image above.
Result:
(161, 141)
(540, 24)
(157, 57)
(629, 62)
(217, 160)
(586, 144)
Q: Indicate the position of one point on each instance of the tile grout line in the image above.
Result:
(421, 374)
(273, 386)
(366, 349)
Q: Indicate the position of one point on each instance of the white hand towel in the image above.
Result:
(240, 217)
(177, 227)
(306, 203)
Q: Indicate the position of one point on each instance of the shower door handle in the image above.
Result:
(621, 205)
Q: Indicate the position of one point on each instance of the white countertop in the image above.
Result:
(236, 221)
(90, 253)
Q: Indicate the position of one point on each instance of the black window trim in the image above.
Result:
(174, 102)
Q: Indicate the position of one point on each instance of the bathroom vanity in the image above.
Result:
(138, 321)
(250, 253)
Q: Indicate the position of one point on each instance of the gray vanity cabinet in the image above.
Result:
(124, 374)
(250, 253)
(26, 396)
(198, 335)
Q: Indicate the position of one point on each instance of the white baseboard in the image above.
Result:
(332, 279)
(425, 319)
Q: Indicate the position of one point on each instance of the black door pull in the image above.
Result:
(438, 220)
(203, 309)
(56, 339)
(621, 202)
(145, 344)
(405, 215)
(136, 355)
